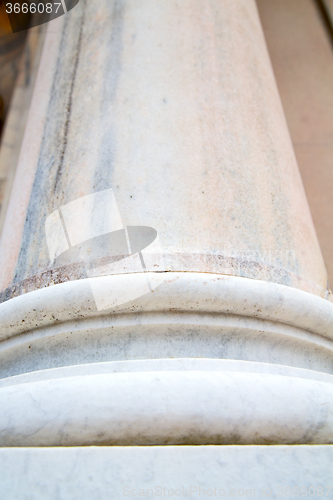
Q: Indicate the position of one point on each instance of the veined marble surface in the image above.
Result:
(167, 115)
(183, 315)
(196, 402)
(174, 107)
(166, 471)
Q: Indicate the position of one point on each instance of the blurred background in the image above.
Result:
(19, 58)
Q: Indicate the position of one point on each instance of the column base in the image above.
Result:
(167, 402)
(185, 315)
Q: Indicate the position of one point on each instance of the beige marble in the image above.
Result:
(16, 119)
(183, 121)
(12, 227)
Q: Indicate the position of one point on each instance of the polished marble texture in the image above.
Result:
(185, 314)
(121, 472)
(183, 401)
(161, 122)
(175, 108)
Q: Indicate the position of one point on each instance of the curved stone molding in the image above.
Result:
(184, 315)
(209, 293)
(170, 402)
(223, 265)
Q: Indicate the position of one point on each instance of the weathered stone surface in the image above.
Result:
(183, 401)
(183, 315)
(166, 471)
(179, 114)
(158, 212)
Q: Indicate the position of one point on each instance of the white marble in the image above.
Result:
(186, 364)
(106, 473)
(180, 292)
(177, 405)
(187, 315)
(172, 107)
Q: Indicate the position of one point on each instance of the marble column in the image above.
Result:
(161, 278)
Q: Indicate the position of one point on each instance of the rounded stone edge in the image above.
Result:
(174, 292)
(179, 406)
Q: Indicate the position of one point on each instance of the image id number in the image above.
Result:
(311, 491)
(25, 8)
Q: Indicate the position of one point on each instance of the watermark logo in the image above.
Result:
(90, 230)
(20, 15)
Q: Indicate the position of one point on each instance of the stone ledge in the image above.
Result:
(168, 402)
(120, 472)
